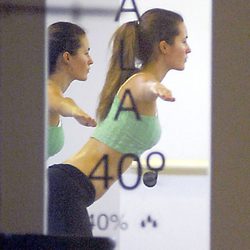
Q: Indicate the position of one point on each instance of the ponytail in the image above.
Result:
(121, 67)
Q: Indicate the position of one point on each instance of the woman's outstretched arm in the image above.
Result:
(67, 107)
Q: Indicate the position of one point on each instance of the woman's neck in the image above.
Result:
(61, 80)
(156, 70)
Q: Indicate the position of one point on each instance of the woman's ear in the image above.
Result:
(164, 47)
(66, 57)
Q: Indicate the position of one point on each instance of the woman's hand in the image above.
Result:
(83, 118)
(159, 90)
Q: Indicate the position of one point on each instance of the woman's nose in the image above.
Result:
(91, 60)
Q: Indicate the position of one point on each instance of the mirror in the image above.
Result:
(133, 215)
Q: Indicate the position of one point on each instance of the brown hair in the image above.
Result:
(63, 36)
(134, 42)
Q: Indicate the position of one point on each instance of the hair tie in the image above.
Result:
(137, 23)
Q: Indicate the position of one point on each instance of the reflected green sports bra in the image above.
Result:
(127, 134)
(55, 139)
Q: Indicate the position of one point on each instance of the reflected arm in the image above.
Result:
(67, 107)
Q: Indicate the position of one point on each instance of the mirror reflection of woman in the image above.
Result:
(69, 60)
(159, 42)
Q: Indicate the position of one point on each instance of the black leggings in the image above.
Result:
(70, 193)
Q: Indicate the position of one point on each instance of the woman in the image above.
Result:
(69, 60)
(127, 115)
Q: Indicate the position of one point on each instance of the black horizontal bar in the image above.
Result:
(7, 8)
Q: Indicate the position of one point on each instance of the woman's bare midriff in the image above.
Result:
(95, 154)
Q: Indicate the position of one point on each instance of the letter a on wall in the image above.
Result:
(122, 9)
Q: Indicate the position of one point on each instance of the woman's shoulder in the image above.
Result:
(140, 85)
(141, 77)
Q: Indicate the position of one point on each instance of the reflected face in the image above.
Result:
(81, 61)
(179, 50)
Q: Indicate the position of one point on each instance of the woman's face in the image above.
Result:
(179, 50)
(80, 62)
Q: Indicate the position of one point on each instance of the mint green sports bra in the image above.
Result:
(55, 139)
(128, 134)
